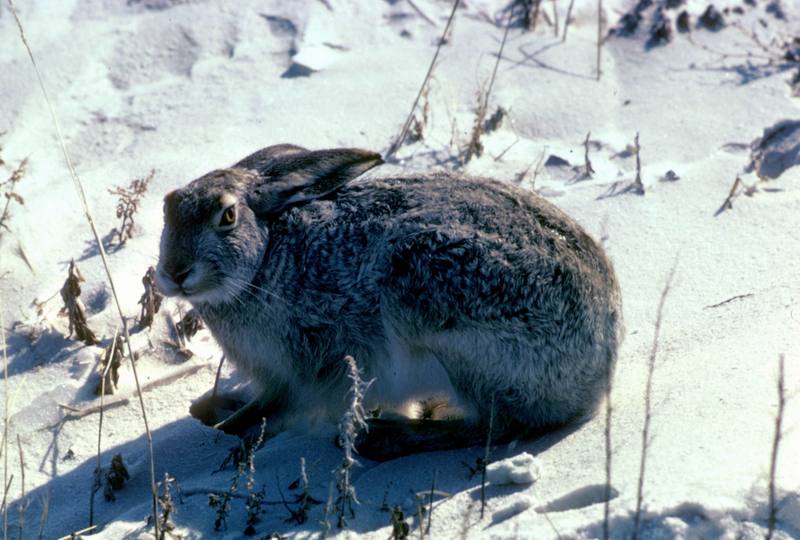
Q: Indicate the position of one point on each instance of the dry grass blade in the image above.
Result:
(5, 498)
(648, 394)
(88, 214)
(772, 518)
(22, 505)
(404, 132)
(599, 35)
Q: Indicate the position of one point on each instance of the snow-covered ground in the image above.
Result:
(185, 86)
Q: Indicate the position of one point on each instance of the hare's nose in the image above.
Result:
(179, 276)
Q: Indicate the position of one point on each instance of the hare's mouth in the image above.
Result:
(197, 285)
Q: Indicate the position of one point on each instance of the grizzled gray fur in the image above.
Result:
(438, 285)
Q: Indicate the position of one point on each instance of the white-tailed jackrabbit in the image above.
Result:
(436, 284)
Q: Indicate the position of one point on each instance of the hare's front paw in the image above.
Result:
(230, 414)
(211, 409)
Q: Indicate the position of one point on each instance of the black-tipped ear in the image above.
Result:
(260, 160)
(295, 178)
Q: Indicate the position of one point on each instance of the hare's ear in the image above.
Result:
(260, 160)
(297, 177)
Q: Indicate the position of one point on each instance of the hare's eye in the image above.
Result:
(228, 217)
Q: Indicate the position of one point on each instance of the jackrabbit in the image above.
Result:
(438, 285)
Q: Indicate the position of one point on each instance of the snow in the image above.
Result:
(186, 86)
(520, 469)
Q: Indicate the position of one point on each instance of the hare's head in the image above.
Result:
(216, 229)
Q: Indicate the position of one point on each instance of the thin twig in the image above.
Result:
(588, 169)
(96, 480)
(638, 186)
(772, 519)
(45, 513)
(648, 394)
(5, 494)
(486, 456)
(728, 202)
(421, 13)
(77, 534)
(216, 379)
(77, 413)
(430, 502)
(555, 18)
(535, 14)
(403, 132)
(731, 299)
(101, 249)
(566, 21)
(607, 436)
(6, 420)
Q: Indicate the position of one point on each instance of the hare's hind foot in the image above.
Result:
(390, 438)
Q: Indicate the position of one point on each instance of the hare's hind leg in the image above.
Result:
(389, 438)
(524, 386)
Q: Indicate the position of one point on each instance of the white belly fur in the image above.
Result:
(405, 375)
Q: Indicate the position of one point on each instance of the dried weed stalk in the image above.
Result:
(167, 505)
(115, 477)
(648, 395)
(304, 501)
(351, 423)
(150, 300)
(474, 147)
(9, 190)
(74, 308)
(128, 202)
(255, 498)
(400, 528)
(588, 170)
(526, 13)
(109, 366)
(423, 87)
(419, 124)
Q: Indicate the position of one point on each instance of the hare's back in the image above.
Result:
(467, 251)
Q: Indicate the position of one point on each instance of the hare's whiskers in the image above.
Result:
(250, 288)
